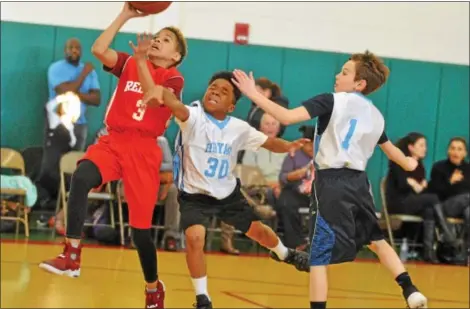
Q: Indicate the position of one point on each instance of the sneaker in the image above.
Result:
(67, 263)
(202, 302)
(171, 244)
(299, 259)
(417, 300)
(156, 299)
(42, 221)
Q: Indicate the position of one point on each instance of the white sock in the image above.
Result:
(280, 250)
(200, 286)
(75, 243)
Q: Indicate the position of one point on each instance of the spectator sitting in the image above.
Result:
(269, 163)
(406, 194)
(70, 74)
(169, 193)
(296, 168)
(271, 91)
(450, 180)
(62, 112)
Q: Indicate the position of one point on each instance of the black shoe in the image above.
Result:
(202, 302)
(299, 259)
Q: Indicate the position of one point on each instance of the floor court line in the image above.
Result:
(233, 294)
(244, 299)
(216, 253)
(391, 297)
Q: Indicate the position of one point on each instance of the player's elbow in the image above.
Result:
(287, 119)
(292, 117)
(98, 49)
(182, 114)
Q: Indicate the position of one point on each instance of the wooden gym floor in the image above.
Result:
(111, 278)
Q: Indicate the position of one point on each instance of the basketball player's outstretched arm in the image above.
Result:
(100, 48)
(246, 84)
(161, 95)
(396, 155)
(140, 54)
(280, 145)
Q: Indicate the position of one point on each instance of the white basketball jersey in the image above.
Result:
(207, 149)
(351, 135)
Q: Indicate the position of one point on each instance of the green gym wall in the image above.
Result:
(431, 98)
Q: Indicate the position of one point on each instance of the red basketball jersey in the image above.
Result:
(125, 109)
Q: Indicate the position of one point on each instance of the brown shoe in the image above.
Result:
(265, 211)
(226, 245)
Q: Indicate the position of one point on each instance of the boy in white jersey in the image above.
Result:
(343, 213)
(207, 148)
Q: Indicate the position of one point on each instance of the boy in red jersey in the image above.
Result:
(130, 150)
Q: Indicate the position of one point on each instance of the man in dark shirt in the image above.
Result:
(450, 180)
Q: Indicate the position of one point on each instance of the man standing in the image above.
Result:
(70, 74)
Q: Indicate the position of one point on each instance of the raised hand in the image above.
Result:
(144, 41)
(456, 176)
(245, 83)
(129, 12)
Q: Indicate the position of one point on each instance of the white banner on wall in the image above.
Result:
(428, 31)
(92, 15)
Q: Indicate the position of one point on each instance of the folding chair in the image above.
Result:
(68, 165)
(397, 217)
(32, 161)
(166, 180)
(11, 159)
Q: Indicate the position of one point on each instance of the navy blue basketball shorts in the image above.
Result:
(343, 216)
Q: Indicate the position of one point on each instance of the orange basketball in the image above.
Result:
(152, 7)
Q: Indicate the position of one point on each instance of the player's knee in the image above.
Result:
(195, 237)
(87, 175)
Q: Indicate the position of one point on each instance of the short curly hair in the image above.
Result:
(228, 76)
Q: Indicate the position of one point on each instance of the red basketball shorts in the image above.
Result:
(137, 161)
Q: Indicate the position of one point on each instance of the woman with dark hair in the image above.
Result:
(271, 91)
(406, 194)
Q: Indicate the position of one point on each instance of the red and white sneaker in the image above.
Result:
(67, 263)
(156, 299)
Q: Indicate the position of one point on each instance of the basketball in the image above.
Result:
(152, 7)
